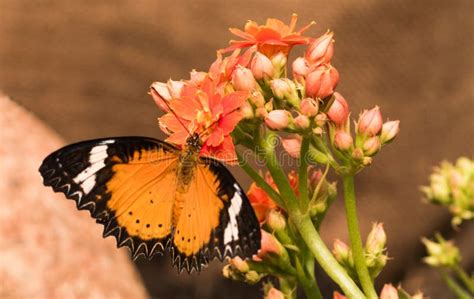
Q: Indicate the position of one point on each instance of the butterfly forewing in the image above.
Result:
(126, 183)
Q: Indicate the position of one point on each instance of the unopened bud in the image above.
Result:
(252, 277)
(300, 68)
(240, 264)
(275, 220)
(309, 107)
(277, 119)
(301, 121)
(357, 154)
(339, 110)
(341, 251)
(322, 81)
(257, 99)
(389, 292)
(320, 119)
(279, 63)
(370, 122)
(242, 79)
(390, 130)
(285, 89)
(371, 146)
(321, 49)
(376, 240)
(274, 293)
(343, 141)
(292, 145)
(441, 254)
(261, 66)
(261, 112)
(247, 110)
(161, 95)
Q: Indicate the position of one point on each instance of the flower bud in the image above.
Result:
(239, 264)
(247, 110)
(279, 63)
(339, 110)
(257, 99)
(376, 240)
(242, 79)
(161, 95)
(302, 121)
(441, 254)
(370, 122)
(261, 112)
(389, 292)
(371, 146)
(269, 246)
(390, 130)
(343, 141)
(252, 277)
(322, 81)
(261, 66)
(341, 251)
(292, 145)
(358, 154)
(274, 293)
(285, 89)
(320, 119)
(300, 68)
(337, 295)
(277, 119)
(275, 220)
(309, 107)
(321, 49)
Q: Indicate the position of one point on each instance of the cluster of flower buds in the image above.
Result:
(375, 252)
(371, 132)
(388, 292)
(441, 253)
(240, 270)
(453, 186)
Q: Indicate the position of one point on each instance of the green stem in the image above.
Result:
(464, 277)
(287, 287)
(310, 287)
(325, 258)
(455, 287)
(260, 181)
(303, 174)
(304, 224)
(356, 241)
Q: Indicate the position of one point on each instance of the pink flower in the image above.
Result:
(242, 79)
(269, 245)
(343, 141)
(260, 201)
(292, 145)
(162, 93)
(390, 130)
(271, 38)
(221, 69)
(376, 239)
(300, 68)
(370, 122)
(321, 49)
(322, 81)
(389, 292)
(277, 119)
(309, 107)
(261, 66)
(339, 110)
(204, 110)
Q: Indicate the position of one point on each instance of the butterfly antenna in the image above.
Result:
(216, 121)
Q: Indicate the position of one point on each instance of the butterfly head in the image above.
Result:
(194, 142)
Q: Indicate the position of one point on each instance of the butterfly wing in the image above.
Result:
(216, 220)
(127, 183)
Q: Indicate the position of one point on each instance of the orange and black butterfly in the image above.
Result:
(154, 197)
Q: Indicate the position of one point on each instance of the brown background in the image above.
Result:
(84, 67)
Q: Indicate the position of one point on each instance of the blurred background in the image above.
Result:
(83, 68)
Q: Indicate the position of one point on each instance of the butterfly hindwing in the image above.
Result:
(126, 183)
(216, 221)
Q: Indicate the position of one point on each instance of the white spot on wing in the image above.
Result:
(231, 232)
(97, 156)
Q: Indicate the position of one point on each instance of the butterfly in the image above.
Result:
(154, 197)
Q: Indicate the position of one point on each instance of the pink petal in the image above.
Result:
(233, 101)
(178, 138)
(228, 122)
(216, 137)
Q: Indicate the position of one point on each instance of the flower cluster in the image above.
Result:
(247, 98)
(453, 186)
(389, 292)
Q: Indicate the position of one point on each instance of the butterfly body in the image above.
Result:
(154, 197)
